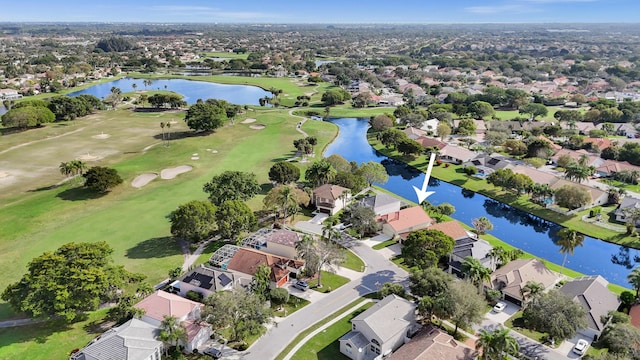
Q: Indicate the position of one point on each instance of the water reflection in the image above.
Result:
(518, 228)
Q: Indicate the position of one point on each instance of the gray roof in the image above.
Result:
(628, 202)
(591, 292)
(208, 279)
(379, 200)
(356, 338)
(388, 317)
(133, 340)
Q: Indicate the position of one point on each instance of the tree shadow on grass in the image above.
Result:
(80, 193)
(45, 188)
(264, 188)
(38, 333)
(159, 247)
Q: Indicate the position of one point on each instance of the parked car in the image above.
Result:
(301, 285)
(499, 307)
(581, 347)
(213, 352)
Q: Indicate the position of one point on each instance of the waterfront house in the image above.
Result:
(330, 198)
(512, 277)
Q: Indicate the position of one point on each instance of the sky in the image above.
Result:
(323, 11)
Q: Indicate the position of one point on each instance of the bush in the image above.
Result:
(470, 170)
(195, 296)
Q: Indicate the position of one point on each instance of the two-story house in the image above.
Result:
(330, 198)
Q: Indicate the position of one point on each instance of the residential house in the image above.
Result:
(455, 154)
(281, 242)
(432, 343)
(486, 164)
(380, 330)
(627, 205)
(402, 222)
(9, 94)
(600, 143)
(204, 280)
(592, 294)
(584, 127)
(382, 204)
(598, 197)
(512, 277)
(161, 304)
(576, 155)
(414, 133)
(480, 125)
(429, 142)
(431, 125)
(465, 245)
(608, 167)
(133, 340)
(330, 198)
(555, 147)
(246, 262)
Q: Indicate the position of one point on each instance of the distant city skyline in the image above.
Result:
(327, 11)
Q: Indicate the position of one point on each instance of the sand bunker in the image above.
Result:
(88, 157)
(170, 173)
(4, 174)
(258, 127)
(142, 180)
(101, 136)
(195, 158)
(248, 121)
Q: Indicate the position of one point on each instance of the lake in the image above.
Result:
(190, 90)
(520, 229)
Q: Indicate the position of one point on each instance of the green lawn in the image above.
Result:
(325, 345)
(330, 282)
(226, 54)
(133, 221)
(295, 303)
(353, 262)
(51, 340)
(515, 322)
(385, 244)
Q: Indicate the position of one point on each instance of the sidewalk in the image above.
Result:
(323, 327)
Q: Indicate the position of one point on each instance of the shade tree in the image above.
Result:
(424, 248)
(193, 221)
(232, 185)
(232, 218)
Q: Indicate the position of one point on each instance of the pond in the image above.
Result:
(520, 229)
(189, 89)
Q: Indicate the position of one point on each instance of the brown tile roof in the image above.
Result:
(413, 132)
(451, 228)
(612, 166)
(634, 312)
(406, 218)
(329, 191)
(594, 192)
(248, 260)
(432, 343)
(538, 176)
(284, 237)
(457, 152)
(427, 142)
(601, 143)
(161, 304)
(553, 145)
(514, 276)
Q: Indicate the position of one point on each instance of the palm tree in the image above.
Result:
(320, 172)
(634, 279)
(477, 273)
(78, 166)
(171, 331)
(569, 240)
(500, 254)
(496, 344)
(168, 125)
(329, 232)
(66, 169)
(531, 290)
(288, 201)
(162, 125)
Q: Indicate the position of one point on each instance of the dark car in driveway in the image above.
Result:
(213, 352)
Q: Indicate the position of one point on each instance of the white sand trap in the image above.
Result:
(248, 121)
(195, 154)
(170, 173)
(101, 136)
(173, 122)
(214, 151)
(195, 158)
(258, 127)
(142, 180)
(88, 157)
(4, 174)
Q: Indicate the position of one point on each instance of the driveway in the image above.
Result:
(504, 315)
(378, 271)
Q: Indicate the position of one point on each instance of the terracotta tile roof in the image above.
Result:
(634, 312)
(601, 143)
(193, 328)
(248, 260)
(161, 304)
(451, 228)
(432, 343)
(406, 218)
(427, 142)
(284, 237)
(612, 166)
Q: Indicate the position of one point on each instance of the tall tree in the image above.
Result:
(242, 312)
(634, 280)
(482, 225)
(323, 254)
(477, 273)
(67, 282)
(262, 281)
(102, 179)
(568, 241)
(171, 332)
(531, 290)
(320, 172)
(233, 217)
(193, 221)
(286, 199)
(424, 248)
(232, 185)
(556, 314)
(284, 172)
(496, 344)
(373, 172)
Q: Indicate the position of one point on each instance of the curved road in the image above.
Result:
(378, 271)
